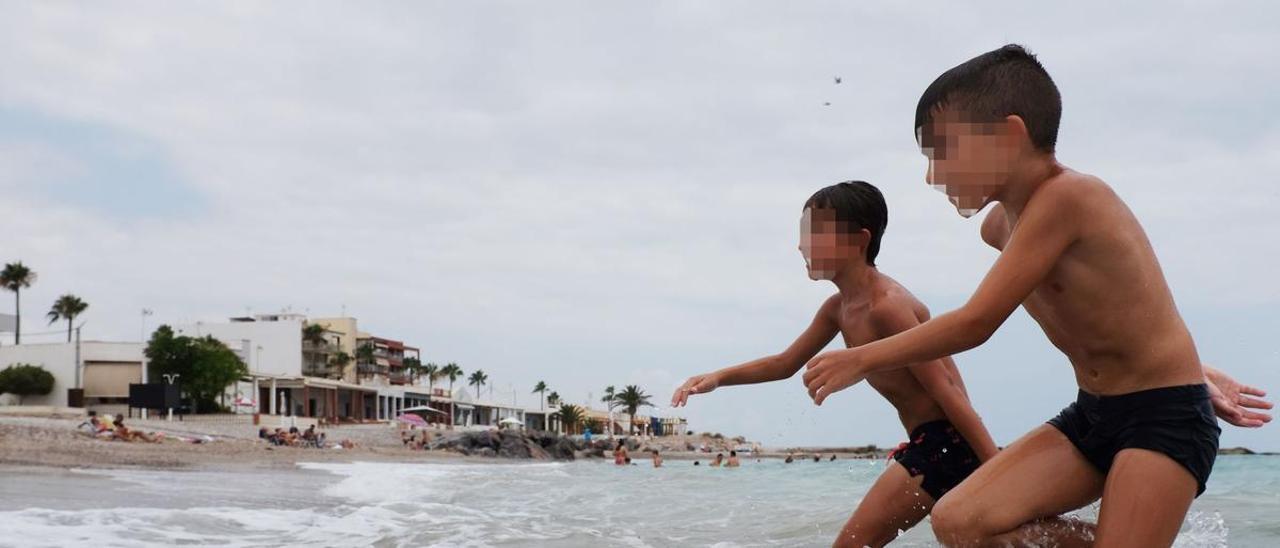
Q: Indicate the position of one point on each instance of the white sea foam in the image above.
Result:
(576, 504)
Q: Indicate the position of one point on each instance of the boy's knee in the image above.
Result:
(955, 524)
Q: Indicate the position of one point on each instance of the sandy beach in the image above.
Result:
(55, 442)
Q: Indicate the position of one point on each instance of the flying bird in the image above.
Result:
(837, 79)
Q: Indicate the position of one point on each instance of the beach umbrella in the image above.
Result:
(245, 402)
(512, 421)
(409, 418)
(422, 408)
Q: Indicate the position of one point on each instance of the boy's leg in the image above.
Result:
(1145, 500)
(1039, 476)
(895, 503)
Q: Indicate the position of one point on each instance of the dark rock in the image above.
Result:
(512, 446)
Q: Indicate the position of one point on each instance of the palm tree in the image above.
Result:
(570, 417)
(452, 372)
(632, 398)
(541, 390)
(477, 379)
(15, 277)
(413, 366)
(432, 371)
(609, 396)
(67, 307)
(553, 399)
(340, 360)
(364, 355)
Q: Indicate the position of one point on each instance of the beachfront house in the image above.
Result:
(102, 370)
(290, 376)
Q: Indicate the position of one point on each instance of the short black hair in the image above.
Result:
(858, 203)
(1002, 82)
(733, 453)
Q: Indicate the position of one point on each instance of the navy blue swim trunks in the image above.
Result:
(939, 453)
(1177, 422)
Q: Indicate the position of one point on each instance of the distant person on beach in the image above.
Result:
(620, 453)
(833, 457)
(1141, 434)
(840, 232)
(719, 460)
(733, 460)
(789, 459)
(657, 459)
(817, 458)
(124, 433)
(696, 463)
(309, 435)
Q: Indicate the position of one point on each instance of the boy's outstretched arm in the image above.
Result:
(769, 368)
(1048, 226)
(1233, 402)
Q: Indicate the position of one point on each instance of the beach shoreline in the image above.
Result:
(54, 442)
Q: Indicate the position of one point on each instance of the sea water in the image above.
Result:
(546, 504)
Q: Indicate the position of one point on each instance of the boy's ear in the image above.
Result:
(861, 238)
(1016, 128)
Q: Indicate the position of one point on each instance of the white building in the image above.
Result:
(281, 380)
(104, 370)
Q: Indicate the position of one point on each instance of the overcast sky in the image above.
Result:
(600, 193)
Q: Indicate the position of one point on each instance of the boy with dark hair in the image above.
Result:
(1141, 434)
(840, 232)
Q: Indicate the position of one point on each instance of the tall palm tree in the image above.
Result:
(477, 379)
(432, 371)
(451, 371)
(553, 399)
(609, 397)
(413, 366)
(541, 390)
(632, 398)
(67, 307)
(15, 277)
(571, 416)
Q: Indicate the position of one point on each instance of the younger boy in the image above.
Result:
(840, 236)
(1142, 434)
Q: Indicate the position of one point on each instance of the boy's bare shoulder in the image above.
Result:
(831, 306)
(1072, 188)
(1069, 193)
(892, 303)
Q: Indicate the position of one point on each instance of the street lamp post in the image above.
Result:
(142, 335)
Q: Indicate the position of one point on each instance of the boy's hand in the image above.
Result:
(1232, 401)
(699, 384)
(831, 372)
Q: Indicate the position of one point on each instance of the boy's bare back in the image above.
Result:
(1104, 302)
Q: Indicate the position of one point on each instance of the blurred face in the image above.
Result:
(826, 244)
(969, 161)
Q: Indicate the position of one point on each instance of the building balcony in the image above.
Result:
(321, 370)
(400, 377)
(309, 347)
(372, 369)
